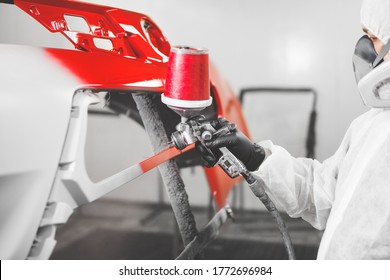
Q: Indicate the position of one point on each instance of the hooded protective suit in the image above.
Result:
(375, 16)
(348, 194)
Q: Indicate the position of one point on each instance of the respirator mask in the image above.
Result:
(372, 73)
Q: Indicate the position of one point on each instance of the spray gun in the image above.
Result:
(198, 130)
(187, 92)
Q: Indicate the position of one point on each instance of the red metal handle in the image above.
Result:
(163, 156)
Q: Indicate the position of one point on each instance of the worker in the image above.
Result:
(347, 195)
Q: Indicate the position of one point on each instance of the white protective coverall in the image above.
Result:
(348, 194)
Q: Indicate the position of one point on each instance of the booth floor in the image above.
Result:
(113, 230)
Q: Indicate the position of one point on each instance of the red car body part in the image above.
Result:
(137, 60)
(131, 34)
(230, 108)
(102, 71)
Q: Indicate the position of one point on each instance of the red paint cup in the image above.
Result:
(187, 86)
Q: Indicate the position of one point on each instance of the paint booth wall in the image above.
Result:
(254, 43)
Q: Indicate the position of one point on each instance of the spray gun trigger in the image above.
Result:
(224, 130)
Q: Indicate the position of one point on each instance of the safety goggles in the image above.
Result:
(365, 57)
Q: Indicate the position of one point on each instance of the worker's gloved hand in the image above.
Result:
(250, 154)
